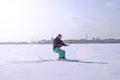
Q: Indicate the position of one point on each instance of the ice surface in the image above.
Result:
(23, 62)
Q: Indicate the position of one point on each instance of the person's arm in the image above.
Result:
(63, 44)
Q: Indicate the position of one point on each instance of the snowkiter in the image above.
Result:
(57, 44)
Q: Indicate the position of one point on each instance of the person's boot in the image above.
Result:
(60, 58)
(64, 58)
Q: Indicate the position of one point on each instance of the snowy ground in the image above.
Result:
(23, 62)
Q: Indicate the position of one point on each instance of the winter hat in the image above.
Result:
(59, 35)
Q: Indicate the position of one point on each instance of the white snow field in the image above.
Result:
(31, 62)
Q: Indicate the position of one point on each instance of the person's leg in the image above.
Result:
(60, 52)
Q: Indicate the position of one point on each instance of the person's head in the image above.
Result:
(59, 36)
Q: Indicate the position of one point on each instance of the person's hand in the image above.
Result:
(67, 44)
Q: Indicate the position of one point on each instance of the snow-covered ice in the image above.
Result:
(23, 62)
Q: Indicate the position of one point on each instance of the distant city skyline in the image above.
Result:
(24, 20)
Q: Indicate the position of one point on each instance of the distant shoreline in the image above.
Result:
(50, 43)
(72, 41)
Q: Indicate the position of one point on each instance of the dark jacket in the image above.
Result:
(57, 43)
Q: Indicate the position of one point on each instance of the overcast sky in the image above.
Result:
(24, 20)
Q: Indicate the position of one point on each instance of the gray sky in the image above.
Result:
(24, 20)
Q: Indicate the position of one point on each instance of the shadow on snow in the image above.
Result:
(75, 61)
(91, 62)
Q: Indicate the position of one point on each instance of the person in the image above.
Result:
(57, 44)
